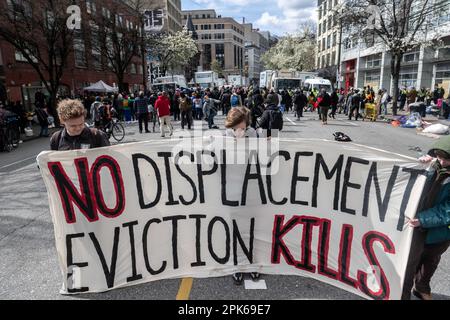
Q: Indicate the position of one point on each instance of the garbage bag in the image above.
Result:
(437, 128)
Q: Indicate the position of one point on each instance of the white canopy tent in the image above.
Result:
(101, 87)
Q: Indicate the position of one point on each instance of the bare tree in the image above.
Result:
(400, 25)
(38, 31)
(117, 37)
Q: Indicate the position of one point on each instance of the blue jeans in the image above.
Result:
(212, 114)
(44, 131)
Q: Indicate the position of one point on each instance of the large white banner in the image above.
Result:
(135, 213)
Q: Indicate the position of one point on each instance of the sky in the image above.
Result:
(277, 16)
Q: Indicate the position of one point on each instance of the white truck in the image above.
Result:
(169, 83)
(207, 79)
(285, 80)
(264, 78)
(237, 80)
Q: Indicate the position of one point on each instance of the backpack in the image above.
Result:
(342, 137)
(185, 105)
(234, 100)
(276, 119)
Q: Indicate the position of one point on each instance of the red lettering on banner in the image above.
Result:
(89, 199)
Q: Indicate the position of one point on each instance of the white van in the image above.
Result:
(317, 84)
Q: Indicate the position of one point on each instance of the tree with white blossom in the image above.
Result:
(399, 25)
(293, 52)
(172, 50)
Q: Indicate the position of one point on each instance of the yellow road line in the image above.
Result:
(185, 289)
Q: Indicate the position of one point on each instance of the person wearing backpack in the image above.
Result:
(76, 135)
(141, 108)
(272, 118)
(186, 110)
(235, 100)
(96, 112)
(42, 117)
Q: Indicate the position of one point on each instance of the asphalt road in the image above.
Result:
(28, 263)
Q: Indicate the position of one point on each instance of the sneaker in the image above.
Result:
(238, 278)
(255, 276)
(422, 296)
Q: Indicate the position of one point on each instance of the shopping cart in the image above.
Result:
(370, 111)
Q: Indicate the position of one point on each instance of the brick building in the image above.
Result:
(85, 65)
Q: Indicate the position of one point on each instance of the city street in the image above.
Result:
(29, 265)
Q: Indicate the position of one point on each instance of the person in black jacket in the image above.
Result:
(300, 102)
(324, 105)
(334, 103)
(256, 107)
(271, 116)
(76, 135)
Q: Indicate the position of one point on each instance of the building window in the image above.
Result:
(442, 72)
(79, 50)
(411, 57)
(133, 68)
(21, 58)
(220, 54)
(90, 7)
(329, 42)
(373, 61)
(371, 76)
(319, 30)
(408, 77)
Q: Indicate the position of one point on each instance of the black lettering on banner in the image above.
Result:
(286, 156)
(184, 175)
(145, 249)
(278, 246)
(368, 240)
(202, 173)
(116, 174)
(134, 276)
(137, 173)
(198, 228)
(237, 237)
(308, 224)
(110, 272)
(167, 156)
(226, 258)
(253, 176)
(345, 252)
(337, 169)
(383, 204)
(70, 262)
(296, 178)
(69, 194)
(348, 184)
(324, 245)
(414, 174)
(175, 220)
(223, 181)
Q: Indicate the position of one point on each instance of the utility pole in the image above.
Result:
(339, 55)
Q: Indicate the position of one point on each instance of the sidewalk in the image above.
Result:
(36, 131)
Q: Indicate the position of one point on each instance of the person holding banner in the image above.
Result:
(237, 125)
(433, 220)
(76, 135)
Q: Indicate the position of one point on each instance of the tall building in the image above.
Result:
(219, 39)
(328, 38)
(256, 44)
(366, 61)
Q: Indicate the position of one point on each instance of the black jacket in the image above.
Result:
(88, 139)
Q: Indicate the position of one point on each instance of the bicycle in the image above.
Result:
(115, 129)
(9, 134)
